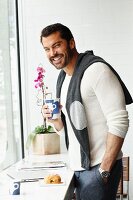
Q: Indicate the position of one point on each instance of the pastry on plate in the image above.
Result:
(52, 179)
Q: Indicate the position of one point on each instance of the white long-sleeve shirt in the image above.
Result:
(104, 103)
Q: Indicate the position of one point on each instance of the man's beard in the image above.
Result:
(66, 59)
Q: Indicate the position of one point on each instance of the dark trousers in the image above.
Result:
(90, 185)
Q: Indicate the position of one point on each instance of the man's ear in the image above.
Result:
(72, 43)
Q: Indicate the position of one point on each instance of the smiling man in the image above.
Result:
(94, 118)
(61, 52)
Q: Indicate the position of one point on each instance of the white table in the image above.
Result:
(33, 191)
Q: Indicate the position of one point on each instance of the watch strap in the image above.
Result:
(104, 173)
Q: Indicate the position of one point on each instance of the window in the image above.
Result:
(10, 134)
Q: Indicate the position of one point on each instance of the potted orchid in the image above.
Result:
(43, 139)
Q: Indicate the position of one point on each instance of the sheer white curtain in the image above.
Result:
(10, 142)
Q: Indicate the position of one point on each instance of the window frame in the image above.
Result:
(14, 147)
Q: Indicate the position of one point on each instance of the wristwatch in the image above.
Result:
(104, 173)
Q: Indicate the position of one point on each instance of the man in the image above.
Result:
(93, 100)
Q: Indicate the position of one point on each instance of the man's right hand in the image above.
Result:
(47, 114)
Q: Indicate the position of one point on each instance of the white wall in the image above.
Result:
(102, 25)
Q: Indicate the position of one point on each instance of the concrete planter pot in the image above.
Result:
(46, 144)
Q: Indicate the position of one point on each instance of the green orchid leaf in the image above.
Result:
(50, 129)
(30, 139)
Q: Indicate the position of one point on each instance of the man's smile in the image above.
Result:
(57, 59)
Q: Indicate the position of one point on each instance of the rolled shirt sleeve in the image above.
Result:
(118, 123)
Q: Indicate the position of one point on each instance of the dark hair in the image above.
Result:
(64, 31)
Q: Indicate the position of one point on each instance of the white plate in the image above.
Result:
(43, 184)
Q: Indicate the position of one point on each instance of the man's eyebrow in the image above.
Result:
(58, 42)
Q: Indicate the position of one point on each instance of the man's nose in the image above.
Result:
(52, 52)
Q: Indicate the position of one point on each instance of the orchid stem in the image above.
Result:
(45, 125)
(44, 97)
